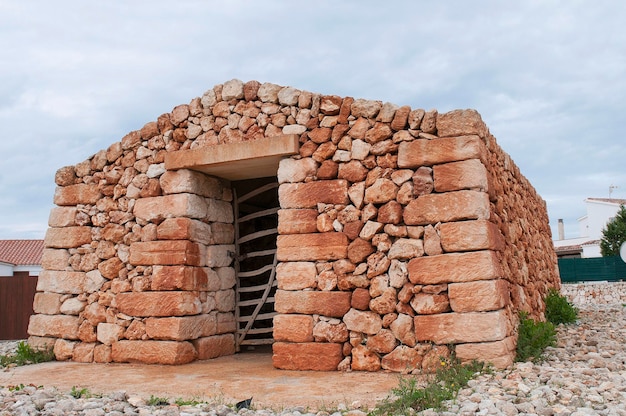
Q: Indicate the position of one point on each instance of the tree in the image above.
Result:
(614, 234)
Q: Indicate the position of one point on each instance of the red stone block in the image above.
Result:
(165, 253)
(316, 356)
(447, 207)
(460, 122)
(215, 346)
(454, 267)
(308, 247)
(470, 235)
(178, 278)
(455, 328)
(467, 174)
(67, 237)
(334, 304)
(499, 353)
(181, 328)
(58, 326)
(484, 295)
(158, 303)
(293, 328)
(297, 221)
(153, 352)
(80, 193)
(308, 195)
(424, 152)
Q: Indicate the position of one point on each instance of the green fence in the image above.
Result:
(611, 269)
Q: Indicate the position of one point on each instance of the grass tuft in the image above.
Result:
(25, 355)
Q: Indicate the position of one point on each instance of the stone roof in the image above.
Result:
(21, 252)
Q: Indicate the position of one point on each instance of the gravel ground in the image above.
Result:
(585, 374)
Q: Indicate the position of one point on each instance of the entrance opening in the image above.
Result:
(256, 221)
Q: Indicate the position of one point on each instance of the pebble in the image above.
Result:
(584, 375)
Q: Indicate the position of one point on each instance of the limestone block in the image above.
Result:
(55, 259)
(297, 221)
(390, 213)
(47, 303)
(67, 237)
(110, 268)
(94, 313)
(484, 295)
(427, 304)
(353, 171)
(308, 195)
(153, 352)
(214, 346)
(363, 359)
(62, 217)
(359, 249)
(179, 278)
(499, 353)
(403, 329)
(386, 302)
(226, 322)
(450, 206)
(311, 247)
(109, 333)
(102, 353)
(432, 241)
(381, 191)
(424, 152)
(158, 303)
(58, 326)
(219, 255)
(403, 359)
(227, 277)
(83, 352)
(63, 349)
(225, 300)
(366, 322)
(455, 328)
(67, 282)
(316, 356)
(293, 328)
(158, 208)
(360, 299)
(460, 122)
(406, 248)
(169, 252)
(454, 267)
(72, 195)
(219, 211)
(181, 328)
(382, 343)
(366, 108)
(334, 304)
(185, 229)
(296, 170)
(467, 174)
(296, 275)
(72, 306)
(470, 235)
(325, 331)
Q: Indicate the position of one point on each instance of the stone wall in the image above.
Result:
(595, 293)
(402, 232)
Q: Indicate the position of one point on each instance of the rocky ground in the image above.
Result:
(584, 375)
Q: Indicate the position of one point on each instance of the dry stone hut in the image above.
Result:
(347, 233)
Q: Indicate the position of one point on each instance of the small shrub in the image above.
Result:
(26, 355)
(80, 393)
(187, 402)
(533, 338)
(157, 401)
(558, 309)
(446, 382)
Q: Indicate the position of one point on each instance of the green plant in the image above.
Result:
(533, 338)
(80, 393)
(444, 385)
(558, 308)
(157, 401)
(24, 355)
(187, 402)
(614, 234)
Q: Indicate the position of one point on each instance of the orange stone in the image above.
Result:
(179, 278)
(484, 295)
(158, 303)
(450, 206)
(184, 229)
(460, 122)
(171, 252)
(455, 328)
(67, 237)
(309, 247)
(153, 352)
(215, 346)
(424, 152)
(454, 267)
(296, 275)
(156, 209)
(470, 236)
(334, 304)
(297, 221)
(316, 356)
(81, 193)
(499, 353)
(293, 328)
(58, 326)
(308, 195)
(181, 328)
(467, 174)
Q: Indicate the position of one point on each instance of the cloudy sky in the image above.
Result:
(548, 77)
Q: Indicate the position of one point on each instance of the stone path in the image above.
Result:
(584, 375)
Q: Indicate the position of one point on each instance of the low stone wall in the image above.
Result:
(595, 293)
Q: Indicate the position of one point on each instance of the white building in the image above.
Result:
(599, 212)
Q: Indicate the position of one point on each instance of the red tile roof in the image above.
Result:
(21, 252)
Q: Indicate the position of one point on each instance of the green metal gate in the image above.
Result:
(611, 269)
